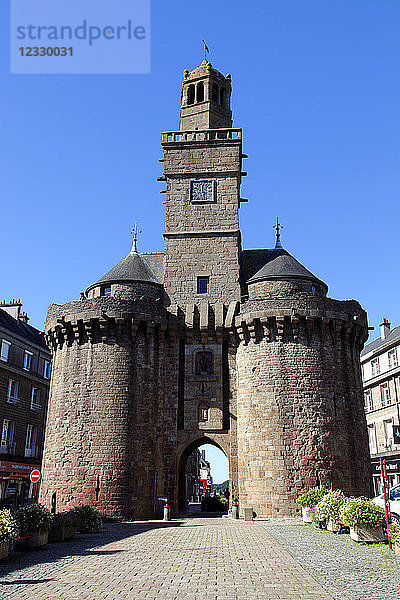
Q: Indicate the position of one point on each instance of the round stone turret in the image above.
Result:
(108, 375)
(300, 415)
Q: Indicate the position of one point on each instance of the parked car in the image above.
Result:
(394, 496)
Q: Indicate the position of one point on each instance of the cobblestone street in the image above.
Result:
(199, 558)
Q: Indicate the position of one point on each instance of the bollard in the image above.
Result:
(167, 511)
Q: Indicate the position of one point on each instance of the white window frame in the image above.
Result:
(373, 445)
(388, 433)
(12, 399)
(385, 394)
(369, 401)
(31, 440)
(375, 367)
(392, 358)
(7, 436)
(47, 369)
(27, 363)
(35, 398)
(5, 350)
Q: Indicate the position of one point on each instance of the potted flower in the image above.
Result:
(328, 509)
(63, 526)
(308, 500)
(88, 519)
(8, 531)
(364, 518)
(393, 532)
(34, 521)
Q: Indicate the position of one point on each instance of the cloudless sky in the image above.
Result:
(218, 461)
(316, 90)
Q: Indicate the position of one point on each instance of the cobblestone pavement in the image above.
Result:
(192, 559)
(346, 569)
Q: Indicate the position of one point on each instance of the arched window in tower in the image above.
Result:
(190, 94)
(200, 92)
(222, 97)
(203, 363)
(214, 93)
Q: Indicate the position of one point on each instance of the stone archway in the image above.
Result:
(183, 456)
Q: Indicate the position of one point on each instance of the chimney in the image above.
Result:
(385, 328)
(13, 308)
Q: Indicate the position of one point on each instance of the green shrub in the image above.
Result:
(8, 526)
(32, 518)
(312, 496)
(88, 519)
(361, 511)
(393, 532)
(65, 519)
(329, 506)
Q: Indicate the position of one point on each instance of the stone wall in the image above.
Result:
(301, 421)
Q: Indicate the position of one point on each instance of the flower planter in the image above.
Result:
(332, 525)
(59, 534)
(40, 538)
(69, 532)
(307, 518)
(4, 549)
(365, 533)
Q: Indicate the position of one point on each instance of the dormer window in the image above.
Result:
(105, 290)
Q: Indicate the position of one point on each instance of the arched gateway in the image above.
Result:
(205, 340)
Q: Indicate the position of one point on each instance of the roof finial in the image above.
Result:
(206, 49)
(278, 227)
(135, 231)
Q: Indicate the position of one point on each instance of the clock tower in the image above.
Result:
(203, 171)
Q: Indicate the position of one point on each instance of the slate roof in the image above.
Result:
(24, 330)
(380, 344)
(131, 268)
(262, 265)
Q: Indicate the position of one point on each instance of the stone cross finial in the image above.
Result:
(278, 227)
(135, 232)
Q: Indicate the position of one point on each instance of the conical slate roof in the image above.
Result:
(282, 265)
(130, 269)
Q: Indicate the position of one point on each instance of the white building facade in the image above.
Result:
(380, 363)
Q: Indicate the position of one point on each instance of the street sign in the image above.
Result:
(35, 476)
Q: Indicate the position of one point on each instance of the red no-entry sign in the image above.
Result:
(35, 476)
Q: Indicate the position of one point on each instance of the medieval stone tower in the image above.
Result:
(205, 342)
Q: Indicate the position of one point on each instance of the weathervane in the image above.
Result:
(135, 231)
(206, 49)
(278, 227)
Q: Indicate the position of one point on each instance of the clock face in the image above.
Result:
(202, 191)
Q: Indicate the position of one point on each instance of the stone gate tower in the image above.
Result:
(205, 342)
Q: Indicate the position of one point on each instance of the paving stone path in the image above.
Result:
(347, 570)
(193, 558)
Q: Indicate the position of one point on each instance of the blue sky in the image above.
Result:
(219, 463)
(316, 90)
